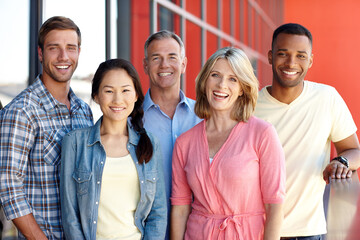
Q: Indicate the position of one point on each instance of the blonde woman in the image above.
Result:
(229, 170)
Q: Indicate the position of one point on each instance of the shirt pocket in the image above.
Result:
(82, 179)
(52, 146)
(151, 178)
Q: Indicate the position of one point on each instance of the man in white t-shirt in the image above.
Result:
(307, 116)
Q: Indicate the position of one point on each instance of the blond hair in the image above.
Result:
(240, 64)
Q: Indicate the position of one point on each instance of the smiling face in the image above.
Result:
(222, 87)
(290, 58)
(116, 96)
(60, 55)
(164, 63)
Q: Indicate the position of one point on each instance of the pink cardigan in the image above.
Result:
(228, 194)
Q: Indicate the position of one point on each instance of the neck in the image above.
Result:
(219, 122)
(113, 128)
(285, 94)
(166, 99)
(59, 90)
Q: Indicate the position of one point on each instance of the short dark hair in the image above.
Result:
(144, 149)
(57, 23)
(291, 28)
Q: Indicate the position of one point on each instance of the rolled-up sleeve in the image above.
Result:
(16, 141)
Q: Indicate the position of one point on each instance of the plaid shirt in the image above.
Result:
(31, 130)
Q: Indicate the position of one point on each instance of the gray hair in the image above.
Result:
(164, 34)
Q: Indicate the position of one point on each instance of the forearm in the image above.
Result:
(179, 217)
(28, 226)
(273, 222)
(353, 156)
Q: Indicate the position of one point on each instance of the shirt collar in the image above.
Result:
(95, 137)
(49, 102)
(148, 102)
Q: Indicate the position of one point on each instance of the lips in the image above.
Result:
(220, 95)
(116, 109)
(164, 74)
(289, 72)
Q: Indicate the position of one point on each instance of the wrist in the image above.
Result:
(343, 160)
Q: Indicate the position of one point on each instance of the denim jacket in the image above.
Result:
(82, 163)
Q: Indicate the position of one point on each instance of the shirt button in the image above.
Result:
(176, 136)
(97, 203)
(142, 181)
(94, 222)
(98, 182)
(154, 179)
(67, 117)
(102, 162)
(79, 179)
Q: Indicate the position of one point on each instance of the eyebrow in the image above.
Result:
(57, 44)
(284, 49)
(158, 54)
(109, 86)
(214, 70)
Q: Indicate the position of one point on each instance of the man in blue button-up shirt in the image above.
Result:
(167, 111)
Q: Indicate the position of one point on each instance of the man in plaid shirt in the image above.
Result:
(31, 130)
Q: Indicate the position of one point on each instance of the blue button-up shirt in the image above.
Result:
(167, 130)
(83, 159)
(31, 130)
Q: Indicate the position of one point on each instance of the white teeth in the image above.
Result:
(218, 94)
(164, 74)
(289, 73)
(117, 109)
(62, 67)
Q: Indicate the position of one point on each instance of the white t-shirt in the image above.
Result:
(306, 128)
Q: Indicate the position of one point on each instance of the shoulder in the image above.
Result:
(257, 123)
(319, 88)
(189, 135)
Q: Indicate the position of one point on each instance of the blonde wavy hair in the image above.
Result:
(240, 64)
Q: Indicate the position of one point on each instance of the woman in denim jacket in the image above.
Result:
(111, 183)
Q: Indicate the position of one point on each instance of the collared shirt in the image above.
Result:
(167, 130)
(31, 130)
(83, 160)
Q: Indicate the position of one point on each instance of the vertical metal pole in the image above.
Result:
(219, 21)
(241, 20)
(203, 33)
(183, 38)
(153, 16)
(124, 29)
(36, 8)
(108, 29)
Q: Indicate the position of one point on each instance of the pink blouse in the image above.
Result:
(228, 194)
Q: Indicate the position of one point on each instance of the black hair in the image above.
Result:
(144, 149)
(292, 28)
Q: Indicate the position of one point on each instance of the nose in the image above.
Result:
(63, 55)
(291, 61)
(117, 97)
(164, 63)
(222, 82)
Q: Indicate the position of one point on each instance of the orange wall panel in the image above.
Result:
(334, 26)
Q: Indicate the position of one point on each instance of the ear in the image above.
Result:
(184, 64)
(40, 54)
(146, 66)
(241, 92)
(96, 99)
(311, 60)
(270, 57)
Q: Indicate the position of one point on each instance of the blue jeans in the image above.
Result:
(317, 237)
